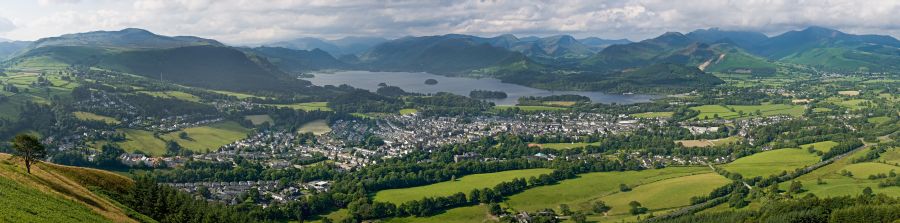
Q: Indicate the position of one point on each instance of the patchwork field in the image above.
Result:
(836, 184)
(578, 193)
(259, 119)
(317, 127)
(771, 162)
(561, 146)
(724, 112)
(463, 184)
(652, 115)
(95, 117)
(308, 106)
(823, 146)
(708, 142)
(666, 194)
(878, 120)
(173, 95)
(199, 138)
(407, 111)
(529, 107)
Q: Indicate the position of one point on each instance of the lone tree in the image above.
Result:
(29, 148)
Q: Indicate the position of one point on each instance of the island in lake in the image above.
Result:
(485, 94)
(431, 82)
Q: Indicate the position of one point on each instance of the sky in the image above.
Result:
(261, 21)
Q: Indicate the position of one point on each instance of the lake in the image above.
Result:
(415, 82)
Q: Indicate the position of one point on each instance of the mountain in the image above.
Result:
(446, 54)
(833, 50)
(339, 47)
(56, 193)
(646, 52)
(291, 60)
(598, 44)
(743, 39)
(126, 38)
(8, 49)
(564, 46)
(185, 60)
(201, 66)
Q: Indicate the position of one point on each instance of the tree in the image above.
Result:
(600, 207)
(624, 188)
(29, 148)
(564, 209)
(867, 192)
(579, 217)
(796, 187)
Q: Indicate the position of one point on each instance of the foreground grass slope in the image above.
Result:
(54, 193)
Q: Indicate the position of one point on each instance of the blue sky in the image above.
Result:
(257, 21)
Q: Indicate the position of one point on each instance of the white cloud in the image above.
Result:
(6, 25)
(248, 21)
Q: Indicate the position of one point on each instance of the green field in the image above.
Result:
(666, 194)
(260, 119)
(529, 107)
(836, 184)
(209, 137)
(172, 95)
(891, 156)
(560, 146)
(463, 184)
(653, 115)
(469, 214)
(199, 139)
(847, 103)
(317, 127)
(824, 146)
(407, 111)
(308, 106)
(772, 162)
(708, 142)
(578, 193)
(710, 111)
(95, 117)
(878, 120)
(143, 141)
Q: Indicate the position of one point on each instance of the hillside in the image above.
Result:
(344, 46)
(447, 54)
(126, 38)
(54, 193)
(290, 60)
(201, 66)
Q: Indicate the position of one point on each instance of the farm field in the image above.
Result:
(468, 214)
(724, 112)
(200, 138)
(462, 184)
(847, 103)
(259, 119)
(172, 95)
(407, 111)
(652, 115)
(578, 193)
(308, 106)
(708, 142)
(836, 184)
(666, 194)
(562, 146)
(95, 117)
(771, 162)
(823, 146)
(317, 127)
(891, 156)
(878, 120)
(529, 107)
(209, 137)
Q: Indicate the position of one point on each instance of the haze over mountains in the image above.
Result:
(671, 60)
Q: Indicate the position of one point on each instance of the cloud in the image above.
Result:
(56, 2)
(243, 21)
(6, 25)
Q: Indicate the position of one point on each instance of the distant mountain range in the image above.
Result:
(670, 61)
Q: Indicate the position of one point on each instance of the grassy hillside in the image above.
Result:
(463, 184)
(54, 193)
